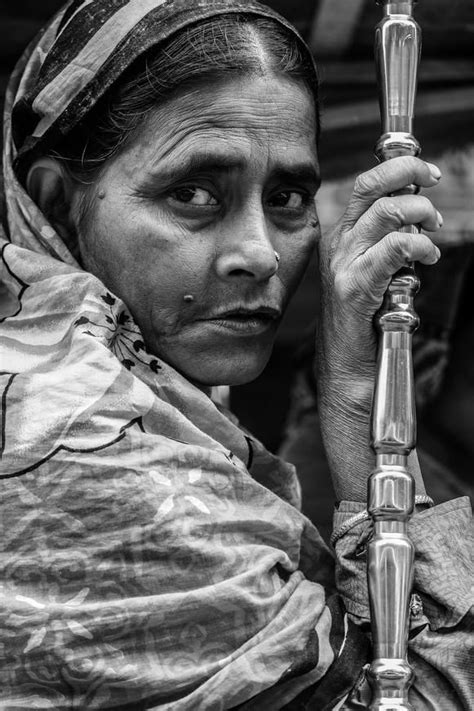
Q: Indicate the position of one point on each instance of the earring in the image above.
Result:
(277, 256)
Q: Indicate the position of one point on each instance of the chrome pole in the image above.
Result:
(391, 486)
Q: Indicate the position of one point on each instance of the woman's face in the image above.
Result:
(214, 182)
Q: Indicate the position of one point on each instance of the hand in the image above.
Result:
(357, 260)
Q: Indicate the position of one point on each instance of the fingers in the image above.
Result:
(379, 263)
(389, 214)
(387, 178)
(368, 246)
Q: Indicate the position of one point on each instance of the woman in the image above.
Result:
(160, 179)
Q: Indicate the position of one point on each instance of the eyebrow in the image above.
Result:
(304, 172)
(300, 173)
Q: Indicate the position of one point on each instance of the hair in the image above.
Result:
(207, 52)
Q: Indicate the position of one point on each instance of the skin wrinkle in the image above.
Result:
(214, 117)
(150, 252)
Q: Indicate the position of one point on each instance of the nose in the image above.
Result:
(247, 249)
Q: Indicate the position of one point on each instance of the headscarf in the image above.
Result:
(153, 554)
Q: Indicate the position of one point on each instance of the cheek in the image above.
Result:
(296, 256)
(139, 257)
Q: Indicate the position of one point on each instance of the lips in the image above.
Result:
(267, 312)
(247, 321)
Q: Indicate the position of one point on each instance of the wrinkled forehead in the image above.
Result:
(263, 124)
(87, 47)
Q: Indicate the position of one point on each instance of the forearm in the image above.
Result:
(345, 429)
(345, 404)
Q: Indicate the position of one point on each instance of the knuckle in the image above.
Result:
(388, 207)
(403, 170)
(407, 164)
(412, 162)
(365, 184)
(400, 245)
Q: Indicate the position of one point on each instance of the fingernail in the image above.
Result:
(434, 170)
(440, 218)
(434, 256)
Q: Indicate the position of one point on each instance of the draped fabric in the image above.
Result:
(152, 552)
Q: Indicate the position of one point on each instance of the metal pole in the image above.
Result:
(391, 486)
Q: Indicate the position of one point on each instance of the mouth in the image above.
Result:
(247, 321)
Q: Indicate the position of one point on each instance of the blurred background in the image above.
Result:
(340, 33)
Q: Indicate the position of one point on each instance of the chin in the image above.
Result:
(225, 370)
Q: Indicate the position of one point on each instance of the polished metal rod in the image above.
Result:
(391, 486)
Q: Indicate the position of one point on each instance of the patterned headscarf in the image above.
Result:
(87, 48)
(153, 554)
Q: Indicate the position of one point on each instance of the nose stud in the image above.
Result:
(277, 256)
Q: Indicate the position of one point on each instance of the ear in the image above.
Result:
(52, 188)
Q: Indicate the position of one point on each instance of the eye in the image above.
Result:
(291, 199)
(192, 195)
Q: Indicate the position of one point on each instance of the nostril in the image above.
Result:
(240, 272)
